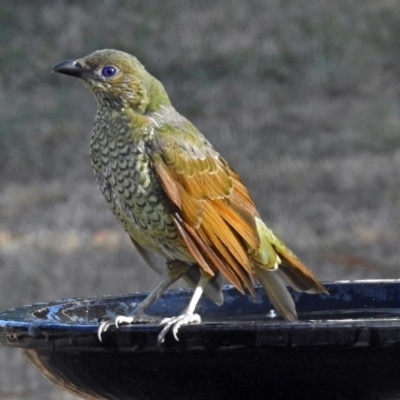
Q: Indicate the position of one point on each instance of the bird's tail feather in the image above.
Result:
(277, 293)
(274, 255)
(299, 281)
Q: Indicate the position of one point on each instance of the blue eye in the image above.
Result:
(108, 71)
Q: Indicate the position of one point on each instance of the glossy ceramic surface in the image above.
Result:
(345, 345)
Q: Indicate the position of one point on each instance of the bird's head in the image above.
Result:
(117, 79)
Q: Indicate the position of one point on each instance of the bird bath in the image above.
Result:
(344, 346)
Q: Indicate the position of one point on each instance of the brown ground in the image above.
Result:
(301, 97)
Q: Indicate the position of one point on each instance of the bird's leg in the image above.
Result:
(175, 269)
(187, 316)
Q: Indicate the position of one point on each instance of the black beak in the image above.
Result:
(71, 67)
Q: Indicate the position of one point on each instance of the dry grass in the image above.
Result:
(301, 97)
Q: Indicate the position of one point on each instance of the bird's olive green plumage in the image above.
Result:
(173, 193)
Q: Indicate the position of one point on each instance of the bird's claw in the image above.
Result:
(175, 323)
(121, 320)
(103, 327)
(117, 322)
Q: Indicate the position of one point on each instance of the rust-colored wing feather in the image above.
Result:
(215, 214)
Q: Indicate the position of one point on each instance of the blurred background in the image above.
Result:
(302, 98)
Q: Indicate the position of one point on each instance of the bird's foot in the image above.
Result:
(121, 320)
(174, 323)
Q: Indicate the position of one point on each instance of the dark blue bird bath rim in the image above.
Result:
(345, 345)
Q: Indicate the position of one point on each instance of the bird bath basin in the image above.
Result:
(346, 345)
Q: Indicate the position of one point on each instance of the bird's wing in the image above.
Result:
(191, 276)
(214, 212)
